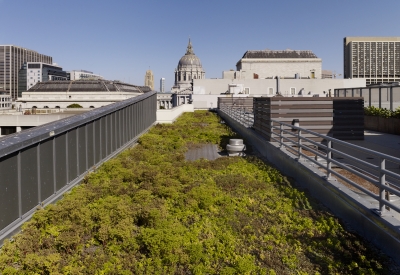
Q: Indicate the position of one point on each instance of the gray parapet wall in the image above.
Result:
(40, 164)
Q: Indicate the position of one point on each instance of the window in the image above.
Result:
(246, 90)
(270, 90)
(292, 91)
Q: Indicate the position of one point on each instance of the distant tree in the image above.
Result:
(74, 105)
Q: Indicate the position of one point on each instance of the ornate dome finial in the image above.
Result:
(189, 49)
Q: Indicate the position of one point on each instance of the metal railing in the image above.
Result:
(38, 165)
(385, 96)
(365, 171)
(242, 115)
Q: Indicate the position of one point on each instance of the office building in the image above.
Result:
(149, 79)
(12, 58)
(162, 85)
(377, 59)
(82, 74)
(33, 72)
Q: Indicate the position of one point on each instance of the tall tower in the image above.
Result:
(162, 85)
(12, 59)
(149, 79)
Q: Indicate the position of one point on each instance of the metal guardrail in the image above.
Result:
(38, 165)
(321, 154)
(242, 115)
(385, 96)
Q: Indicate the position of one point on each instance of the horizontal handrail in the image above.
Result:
(293, 140)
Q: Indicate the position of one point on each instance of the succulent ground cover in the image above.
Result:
(149, 211)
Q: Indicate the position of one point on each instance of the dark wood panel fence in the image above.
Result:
(338, 118)
(348, 118)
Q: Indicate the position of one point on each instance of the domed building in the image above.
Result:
(189, 67)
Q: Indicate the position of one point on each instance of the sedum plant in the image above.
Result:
(149, 211)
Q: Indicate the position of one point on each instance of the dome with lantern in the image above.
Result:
(189, 68)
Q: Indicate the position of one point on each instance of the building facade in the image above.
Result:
(375, 58)
(87, 93)
(12, 59)
(189, 68)
(5, 100)
(328, 74)
(271, 87)
(149, 79)
(270, 64)
(82, 74)
(33, 72)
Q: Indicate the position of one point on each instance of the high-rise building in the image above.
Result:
(162, 85)
(12, 59)
(149, 79)
(375, 58)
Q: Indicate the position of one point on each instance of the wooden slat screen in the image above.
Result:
(328, 116)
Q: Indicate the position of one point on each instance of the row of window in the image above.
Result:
(5, 105)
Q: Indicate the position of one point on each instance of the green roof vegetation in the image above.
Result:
(149, 211)
(382, 112)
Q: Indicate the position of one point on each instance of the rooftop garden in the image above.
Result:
(149, 211)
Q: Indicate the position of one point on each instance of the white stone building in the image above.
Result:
(271, 87)
(268, 64)
(164, 101)
(189, 68)
(87, 93)
(5, 100)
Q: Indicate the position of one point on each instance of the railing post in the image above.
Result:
(382, 182)
(380, 98)
(280, 135)
(328, 161)
(299, 143)
(369, 92)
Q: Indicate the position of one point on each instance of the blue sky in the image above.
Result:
(121, 39)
